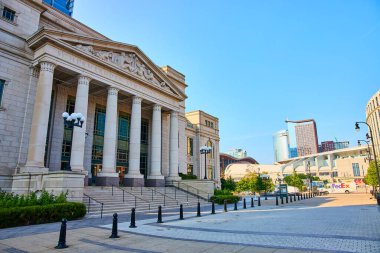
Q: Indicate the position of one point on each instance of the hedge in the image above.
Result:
(29, 215)
(219, 199)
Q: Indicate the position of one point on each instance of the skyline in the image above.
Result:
(244, 61)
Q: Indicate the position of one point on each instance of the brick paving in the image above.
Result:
(333, 223)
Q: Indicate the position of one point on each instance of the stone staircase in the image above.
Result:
(108, 200)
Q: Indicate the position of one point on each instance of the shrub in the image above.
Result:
(29, 215)
(222, 192)
(219, 199)
(187, 176)
(11, 200)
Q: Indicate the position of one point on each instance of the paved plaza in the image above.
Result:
(333, 223)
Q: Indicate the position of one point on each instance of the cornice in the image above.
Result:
(61, 38)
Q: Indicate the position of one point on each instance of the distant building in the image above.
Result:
(373, 119)
(306, 136)
(237, 153)
(281, 145)
(293, 152)
(65, 6)
(226, 159)
(327, 146)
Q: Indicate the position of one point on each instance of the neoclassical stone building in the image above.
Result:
(134, 128)
(372, 113)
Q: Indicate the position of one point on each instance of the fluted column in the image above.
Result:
(108, 176)
(155, 177)
(40, 120)
(173, 147)
(134, 177)
(79, 134)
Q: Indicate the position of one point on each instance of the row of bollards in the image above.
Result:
(114, 233)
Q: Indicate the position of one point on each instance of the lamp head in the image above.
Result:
(65, 115)
(357, 128)
(359, 143)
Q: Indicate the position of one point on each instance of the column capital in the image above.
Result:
(157, 107)
(84, 80)
(112, 90)
(47, 66)
(136, 100)
(35, 72)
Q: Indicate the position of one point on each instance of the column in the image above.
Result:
(155, 177)
(79, 134)
(134, 177)
(173, 147)
(108, 176)
(40, 120)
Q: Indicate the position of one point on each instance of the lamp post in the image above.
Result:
(357, 128)
(310, 177)
(205, 150)
(75, 119)
(369, 150)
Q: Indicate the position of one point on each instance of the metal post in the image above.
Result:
(259, 202)
(89, 204)
(164, 200)
(62, 236)
(152, 195)
(276, 200)
(212, 207)
(298, 197)
(141, 189)
(181, 212)
(244, 204)
(294, 197)
(133, 218)
(159, 218)
(175, 193)
(225, 205)
(235, 205)
(123, 196)
(287, 199)
(199, 210)
(114, 227)
(252, 203)
(291, 199)
(135, 202)
(112, 190)
(101, 212)
(282, 200)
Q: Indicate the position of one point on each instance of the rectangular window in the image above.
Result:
(67, 135)
(189, 169)
(9, 14)
(123, 127)
(190, 151)
(100, 120)
(356, 170)
(2, 83)
(144, 132)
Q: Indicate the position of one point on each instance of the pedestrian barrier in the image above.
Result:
(133, 218)
(114, 227)
(159, 215)
(62, 236)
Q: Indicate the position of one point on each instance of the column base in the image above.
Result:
(33, 169)
(135, 181)
(173, 178)
(155, 181)
(107, 179)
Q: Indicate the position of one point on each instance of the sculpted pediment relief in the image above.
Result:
(129, 62)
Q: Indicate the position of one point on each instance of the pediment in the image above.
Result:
(127, 58)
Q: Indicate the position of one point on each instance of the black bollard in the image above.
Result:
(159, 218)
(114, 227)
(276, 200)
(295, 198)
(259, 202)
(181, 212)
(235, 205)
(282, 200)
(199, 210)
(291, 199)
(62, 236)
(252, 203)
(225, 205)
(244, 204)
(133, 219)
(301, 196)
(298, 197)
(212, 207)
(287, 199)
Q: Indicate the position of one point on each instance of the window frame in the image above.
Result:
(13, 19)
(4, 85)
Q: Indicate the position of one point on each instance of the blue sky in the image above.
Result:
(253, 63)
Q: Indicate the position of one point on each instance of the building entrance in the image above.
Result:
(95, 169)
(121, 170)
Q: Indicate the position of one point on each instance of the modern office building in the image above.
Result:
(281, 145)
(202, 129)
(373, 119)
(65, 6)
(306, 136)
(327, 146)
(237, 153)
(133, 111)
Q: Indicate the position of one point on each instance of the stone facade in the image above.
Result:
(373, 119)
(51, 63)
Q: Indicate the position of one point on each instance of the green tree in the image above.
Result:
(294, 180)
(371, 177)
(228, 184)
(247, 183)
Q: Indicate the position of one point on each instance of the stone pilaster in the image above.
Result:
(173, 147)
(79, 133)
(40, 120)
(108, 176)
(134, 177)
(155, 177)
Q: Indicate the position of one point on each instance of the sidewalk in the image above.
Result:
(320, 224)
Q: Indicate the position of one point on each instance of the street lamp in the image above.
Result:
(369, 150)
(310, 177)
(75, 119)
(205, 150)
(357, 128)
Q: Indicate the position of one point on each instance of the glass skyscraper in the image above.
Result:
(65, 6)
(281, 145)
